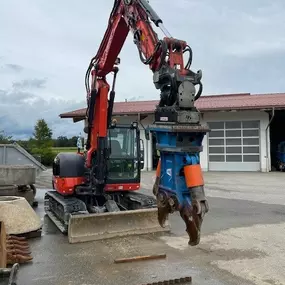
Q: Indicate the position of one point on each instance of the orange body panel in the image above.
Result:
(65, 186)
(99, 120)
(193, 175)
(122, 187)
(158, 168)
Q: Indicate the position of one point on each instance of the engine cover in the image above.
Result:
(68, 172)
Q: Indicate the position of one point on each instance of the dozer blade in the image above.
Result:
(90, 227)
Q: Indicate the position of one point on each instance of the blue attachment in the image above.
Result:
(177, 149)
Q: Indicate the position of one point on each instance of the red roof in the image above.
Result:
(225, 102)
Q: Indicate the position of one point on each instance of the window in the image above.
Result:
(234, 141)
(124, 148)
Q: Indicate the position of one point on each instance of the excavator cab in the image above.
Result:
(125, 161)
(124, 164)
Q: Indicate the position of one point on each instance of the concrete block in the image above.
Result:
(17, 175)
(28, 195)
(18, 216)
(8, 190)
(12, 190)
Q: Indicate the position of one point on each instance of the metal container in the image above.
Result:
(17, 175)
(14, 154)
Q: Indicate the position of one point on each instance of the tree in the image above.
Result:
(4, 138)
(73, 141)
(61, 141)
(41, 143)
(42, 133)
(24, 144)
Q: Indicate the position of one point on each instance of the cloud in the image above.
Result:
(30, 83)
(20, 110)
(13, 67)
(239, 45)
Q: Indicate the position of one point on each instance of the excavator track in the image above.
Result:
(72, 218)
(59, 209)
(135, 200)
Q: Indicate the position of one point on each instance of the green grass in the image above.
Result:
(64, 149)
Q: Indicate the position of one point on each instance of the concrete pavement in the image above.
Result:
(257, 226)
(242, 241)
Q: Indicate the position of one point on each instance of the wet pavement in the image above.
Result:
(58, 262)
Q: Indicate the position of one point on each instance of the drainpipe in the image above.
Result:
(268, 138)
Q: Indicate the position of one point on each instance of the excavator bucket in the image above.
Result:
(90, 227)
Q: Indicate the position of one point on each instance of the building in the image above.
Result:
(245, 129)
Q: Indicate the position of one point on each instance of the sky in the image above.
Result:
(46, 46)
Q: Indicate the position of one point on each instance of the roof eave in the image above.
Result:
(79, 117)
(250, 108)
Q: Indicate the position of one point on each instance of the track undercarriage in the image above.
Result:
(61, 209)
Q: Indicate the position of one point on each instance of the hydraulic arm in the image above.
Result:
(179, 185)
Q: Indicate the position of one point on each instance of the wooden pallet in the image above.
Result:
(3, 253)
(33, 234)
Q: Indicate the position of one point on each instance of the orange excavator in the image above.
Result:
(96, 195)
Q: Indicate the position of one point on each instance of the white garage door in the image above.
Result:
(234, 146)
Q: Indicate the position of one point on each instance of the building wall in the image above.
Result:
(147, 143)
(263, 117)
